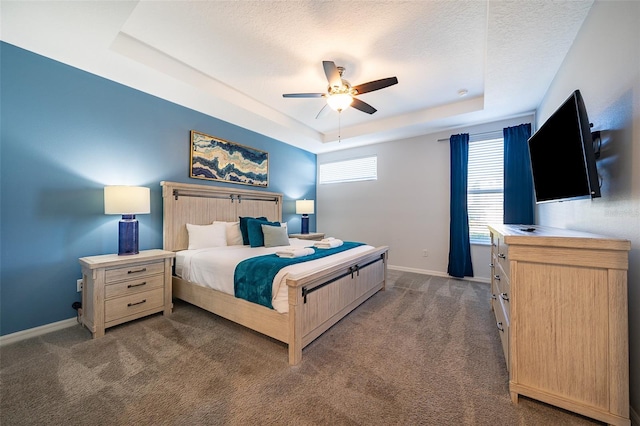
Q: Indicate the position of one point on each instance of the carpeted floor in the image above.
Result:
(423, 352)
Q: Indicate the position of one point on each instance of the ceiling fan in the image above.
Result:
(340, 94)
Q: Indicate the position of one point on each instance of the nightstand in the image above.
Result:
(117, 289)
(310, 236)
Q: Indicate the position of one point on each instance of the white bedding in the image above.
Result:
(215, 267)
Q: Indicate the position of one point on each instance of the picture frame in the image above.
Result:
(217, 159)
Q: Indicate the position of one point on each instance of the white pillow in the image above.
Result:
(234, 236)
(205, 236)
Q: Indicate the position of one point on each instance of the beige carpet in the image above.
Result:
(424, 352)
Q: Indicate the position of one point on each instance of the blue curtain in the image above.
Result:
(519, 201)
(459, 246)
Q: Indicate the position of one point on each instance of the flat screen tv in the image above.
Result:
(563, 160)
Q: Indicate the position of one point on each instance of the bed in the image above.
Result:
(317, 297)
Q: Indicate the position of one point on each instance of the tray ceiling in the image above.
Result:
(234, 59)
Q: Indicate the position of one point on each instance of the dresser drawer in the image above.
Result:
(133, 286)
(503, 282)
(504, 297)
(134, 271)
(126, 306)
(495, 240)
(502, 323)
(502, 255)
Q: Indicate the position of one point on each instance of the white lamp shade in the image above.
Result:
(339, 101)
(304, 206)
(126, 200)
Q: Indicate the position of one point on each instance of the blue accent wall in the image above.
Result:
(65, 134)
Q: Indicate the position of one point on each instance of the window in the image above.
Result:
(485, 187)
(353, 170)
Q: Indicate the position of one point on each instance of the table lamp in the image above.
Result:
(305, 208)
(127, 201)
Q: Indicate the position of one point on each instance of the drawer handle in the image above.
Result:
(137, 285)
(137, 303)
(500, 327)
(491, 265)
(496, 277)
(502, 256)
(493, 296)
(504, 296)
(135, 272)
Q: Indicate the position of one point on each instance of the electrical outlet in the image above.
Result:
(79, 285)
(425, 253)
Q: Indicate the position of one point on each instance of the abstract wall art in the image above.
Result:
(217, 159)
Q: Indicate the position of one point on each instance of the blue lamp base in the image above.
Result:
(128, 235)
(305, 224)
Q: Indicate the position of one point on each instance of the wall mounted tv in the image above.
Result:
(563, 160)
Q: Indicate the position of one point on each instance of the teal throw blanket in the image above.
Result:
(253, 278)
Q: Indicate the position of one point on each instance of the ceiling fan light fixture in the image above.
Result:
(340, 94)
(339, 101)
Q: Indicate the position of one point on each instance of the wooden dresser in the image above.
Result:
(560, 301)
(117, 289)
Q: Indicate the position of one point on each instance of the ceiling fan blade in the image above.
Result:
(303, 95)
(363, 106)
(324, 111)
(332, 73)
(375, 85)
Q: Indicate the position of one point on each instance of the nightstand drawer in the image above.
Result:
(134, 271)
(124, 288)
(124, 307)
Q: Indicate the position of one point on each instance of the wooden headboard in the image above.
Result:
(202, 204)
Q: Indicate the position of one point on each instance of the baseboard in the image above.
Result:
(37, 331)
(435, 273)
(635, 417)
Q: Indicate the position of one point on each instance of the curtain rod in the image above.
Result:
(497, 133)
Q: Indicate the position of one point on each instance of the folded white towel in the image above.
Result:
(328, 244)
(326, 240)
(295, 252)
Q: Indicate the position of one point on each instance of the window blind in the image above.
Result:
(357, 169)
(485, 187)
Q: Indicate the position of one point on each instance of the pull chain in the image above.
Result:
(339, 124)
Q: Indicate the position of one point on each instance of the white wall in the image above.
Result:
(407, 208)
(604, 63)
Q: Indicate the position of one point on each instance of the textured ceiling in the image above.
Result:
(234, 59)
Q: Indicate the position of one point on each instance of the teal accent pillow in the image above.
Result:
(243, 227)
(254, 231)
(275, 236)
